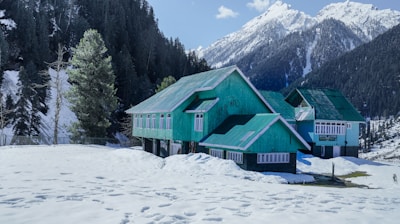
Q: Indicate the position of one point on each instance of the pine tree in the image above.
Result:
(21, 119)
(92, 94)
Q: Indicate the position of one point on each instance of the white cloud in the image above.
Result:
(259, 5)
(224, 13)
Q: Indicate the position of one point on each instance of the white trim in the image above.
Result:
(221, 146)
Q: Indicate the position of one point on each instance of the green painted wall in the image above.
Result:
(235, 97)
(277, 138)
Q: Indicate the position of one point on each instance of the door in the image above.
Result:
(336, 151)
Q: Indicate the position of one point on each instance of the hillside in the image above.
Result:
(369, 75)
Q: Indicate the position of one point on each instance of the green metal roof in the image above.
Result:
(329, 104)
(277, 101)
(239, 132)
(201, 105)
(171, 97)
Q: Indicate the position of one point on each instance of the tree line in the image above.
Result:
(140, 55)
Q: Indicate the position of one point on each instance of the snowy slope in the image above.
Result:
(94, 184)
(9, 87)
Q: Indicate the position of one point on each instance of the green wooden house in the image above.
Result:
(208, 112)
(324, 118)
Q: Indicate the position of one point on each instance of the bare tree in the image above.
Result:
(57, 83)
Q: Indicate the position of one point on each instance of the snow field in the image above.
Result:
(94, 184)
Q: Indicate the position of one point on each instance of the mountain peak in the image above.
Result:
(281, 13)
(361, 18)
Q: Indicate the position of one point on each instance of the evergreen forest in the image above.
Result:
(141, 56)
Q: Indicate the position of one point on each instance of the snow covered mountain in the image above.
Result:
(289, 43)
(276, 23)
(365, 20)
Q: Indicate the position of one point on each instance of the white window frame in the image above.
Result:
(235, 156)
(198, 122)
(330, 128)
(135, 120)
(153, 121)
(140, 121)
(148, 121)
(168, 122)
(273, 158)
(217, 153)
(349, 125)
(161, 123)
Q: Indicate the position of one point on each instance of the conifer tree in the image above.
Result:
(92, 94)
(21, 119)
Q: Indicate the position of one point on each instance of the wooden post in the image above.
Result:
(333, 171)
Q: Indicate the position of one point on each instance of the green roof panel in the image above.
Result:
(175, 94)
(238, 131)
(278, 103)
(330, 104)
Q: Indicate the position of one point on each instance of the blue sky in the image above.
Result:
(202, 22)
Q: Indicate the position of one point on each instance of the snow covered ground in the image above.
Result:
(96, 184)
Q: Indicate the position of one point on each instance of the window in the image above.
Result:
(330, 128)
(348, 125)
(198, 122)
(235, 156)
(217, 153)
(267, 158)
(168, 121)
(140, 125)
(153, 121)
(161, 124)
(148, 121)
(135, 120)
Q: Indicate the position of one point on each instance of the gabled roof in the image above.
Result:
(173, 96)
(329, 104)
(277, 101)
(239, 132)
